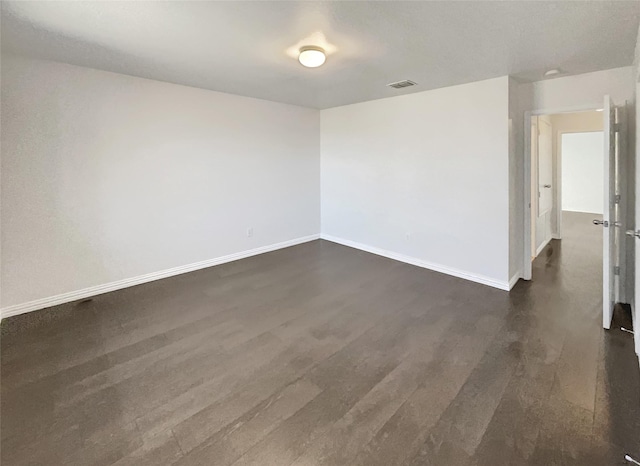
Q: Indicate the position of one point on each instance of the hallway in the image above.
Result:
(595, 390)
(324, 355)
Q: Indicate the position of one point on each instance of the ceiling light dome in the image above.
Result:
(311, 57)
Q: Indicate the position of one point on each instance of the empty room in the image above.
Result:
(282, 233)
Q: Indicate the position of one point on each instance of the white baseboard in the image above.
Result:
(543, 245)
(506, 286)
(127, 282)
(517, 276)
(636, 328)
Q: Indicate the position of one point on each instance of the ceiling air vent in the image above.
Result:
(401, 84)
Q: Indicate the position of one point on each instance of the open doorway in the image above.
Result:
(567, 168)
(550, 226)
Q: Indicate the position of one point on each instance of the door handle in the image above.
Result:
(633, 233)
(546, 186)
(604, 223)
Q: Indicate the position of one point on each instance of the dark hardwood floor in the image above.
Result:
(324, 355)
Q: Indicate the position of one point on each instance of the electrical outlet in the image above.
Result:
(249, 232)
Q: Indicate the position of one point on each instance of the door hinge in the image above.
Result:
(618, 198)
(616, 270)
(617, 127)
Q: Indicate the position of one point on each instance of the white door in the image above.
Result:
(634, 308)
(534, 186)
(620, 204)
(545, 166)
(611, 218)
(544, 189)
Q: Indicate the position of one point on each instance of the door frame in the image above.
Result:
(527, 268)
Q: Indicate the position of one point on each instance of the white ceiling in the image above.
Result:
(249, 48)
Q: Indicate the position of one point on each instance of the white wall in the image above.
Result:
(516, 181)
(107, 177)
(585, 91)
(423, 176)
(583, 172)
(588, 91)
(582, 91)
(574, 122)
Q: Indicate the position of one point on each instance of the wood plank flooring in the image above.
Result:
(323, 355)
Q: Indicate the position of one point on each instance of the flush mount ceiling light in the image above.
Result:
(552, 72)
(311, 56)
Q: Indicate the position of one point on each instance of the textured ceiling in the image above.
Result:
(249, 48)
